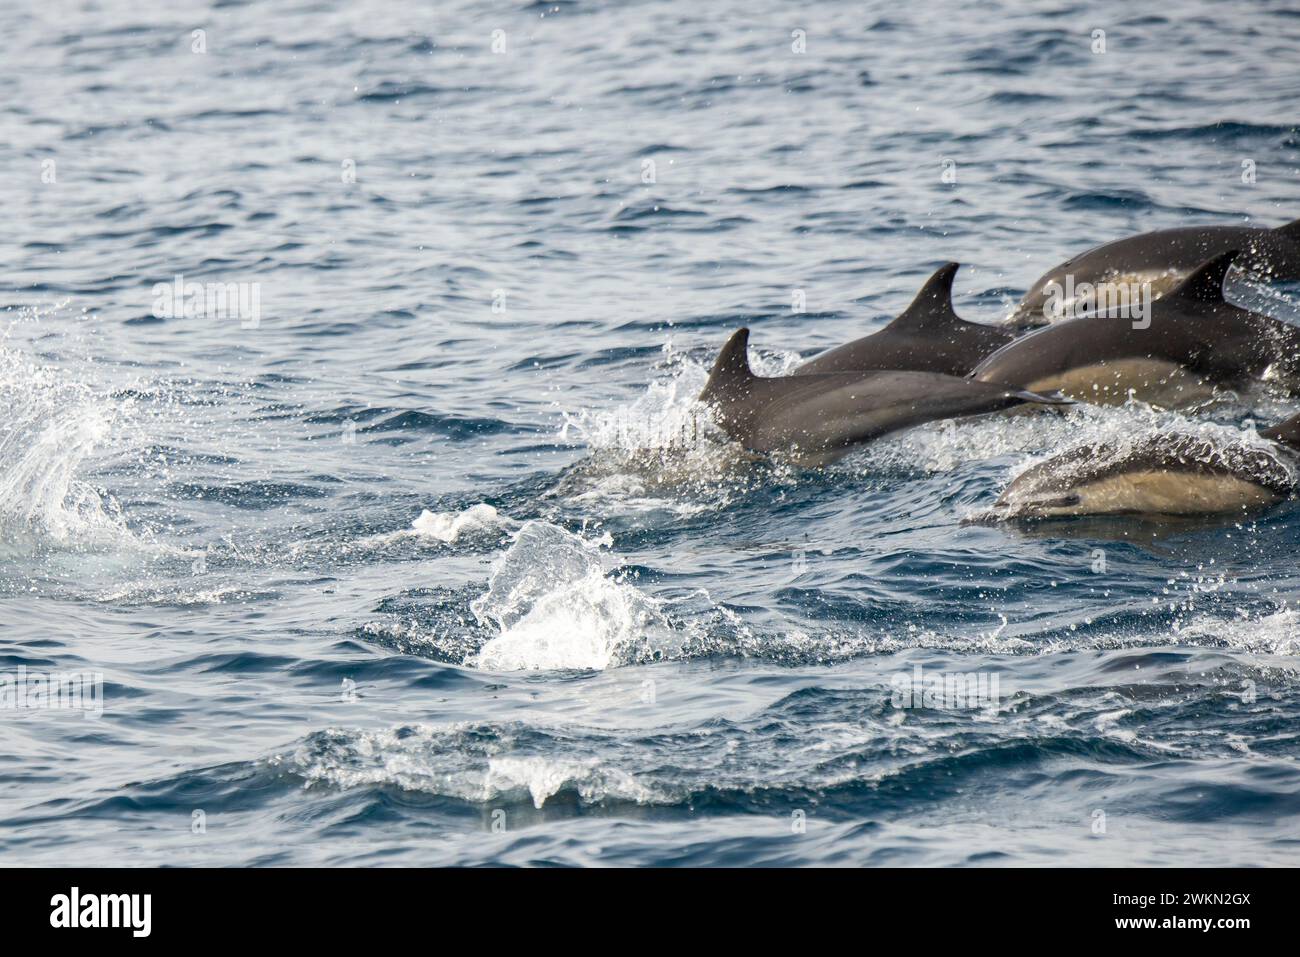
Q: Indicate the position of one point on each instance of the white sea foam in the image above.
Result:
(1277, 633)
(449, 526)
(479, 521)
(664, 415)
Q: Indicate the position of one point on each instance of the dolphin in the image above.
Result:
(928, 336)
(816, 419)
(1162, 259)
(1171, 474)
(1189, 342)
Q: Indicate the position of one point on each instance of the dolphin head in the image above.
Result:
(1049, 299)
(1028, 315)
(1053, 488)
(1036, 494)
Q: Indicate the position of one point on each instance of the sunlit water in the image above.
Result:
(437, 563)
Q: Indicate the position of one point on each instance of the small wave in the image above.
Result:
(475, 528)
(175, 594)
(1215, 132)
(464, 761)
(649, 210)
(844, 748)
(1104, 200)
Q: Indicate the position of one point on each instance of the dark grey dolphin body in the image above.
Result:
(1174, 474)
(815, 419)
(1163, 259)
(1192, 341)
(928, 336)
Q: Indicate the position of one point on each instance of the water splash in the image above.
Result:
(666, 415)
(664, 449)
(50, 430)
(556, 608)
(448, 527)
(1273, 634)
(1033, 437)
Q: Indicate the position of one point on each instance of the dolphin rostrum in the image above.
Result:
(928, 336)
(815, 419)
(1191, 341)
(1159, 260)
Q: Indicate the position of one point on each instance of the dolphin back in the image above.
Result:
(928, 336)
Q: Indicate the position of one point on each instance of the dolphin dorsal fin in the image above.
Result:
(1287, 433)
(731, 368)
(1205, 283)
(1291, 231)
(932, 306)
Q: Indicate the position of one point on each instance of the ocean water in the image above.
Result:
(426, 557)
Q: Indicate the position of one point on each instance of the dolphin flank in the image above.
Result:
(815, 419)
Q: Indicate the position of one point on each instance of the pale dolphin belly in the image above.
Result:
(1170, 492)
(1155, 381)
(1128, 291)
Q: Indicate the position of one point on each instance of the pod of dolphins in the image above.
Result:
(1063, 343)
